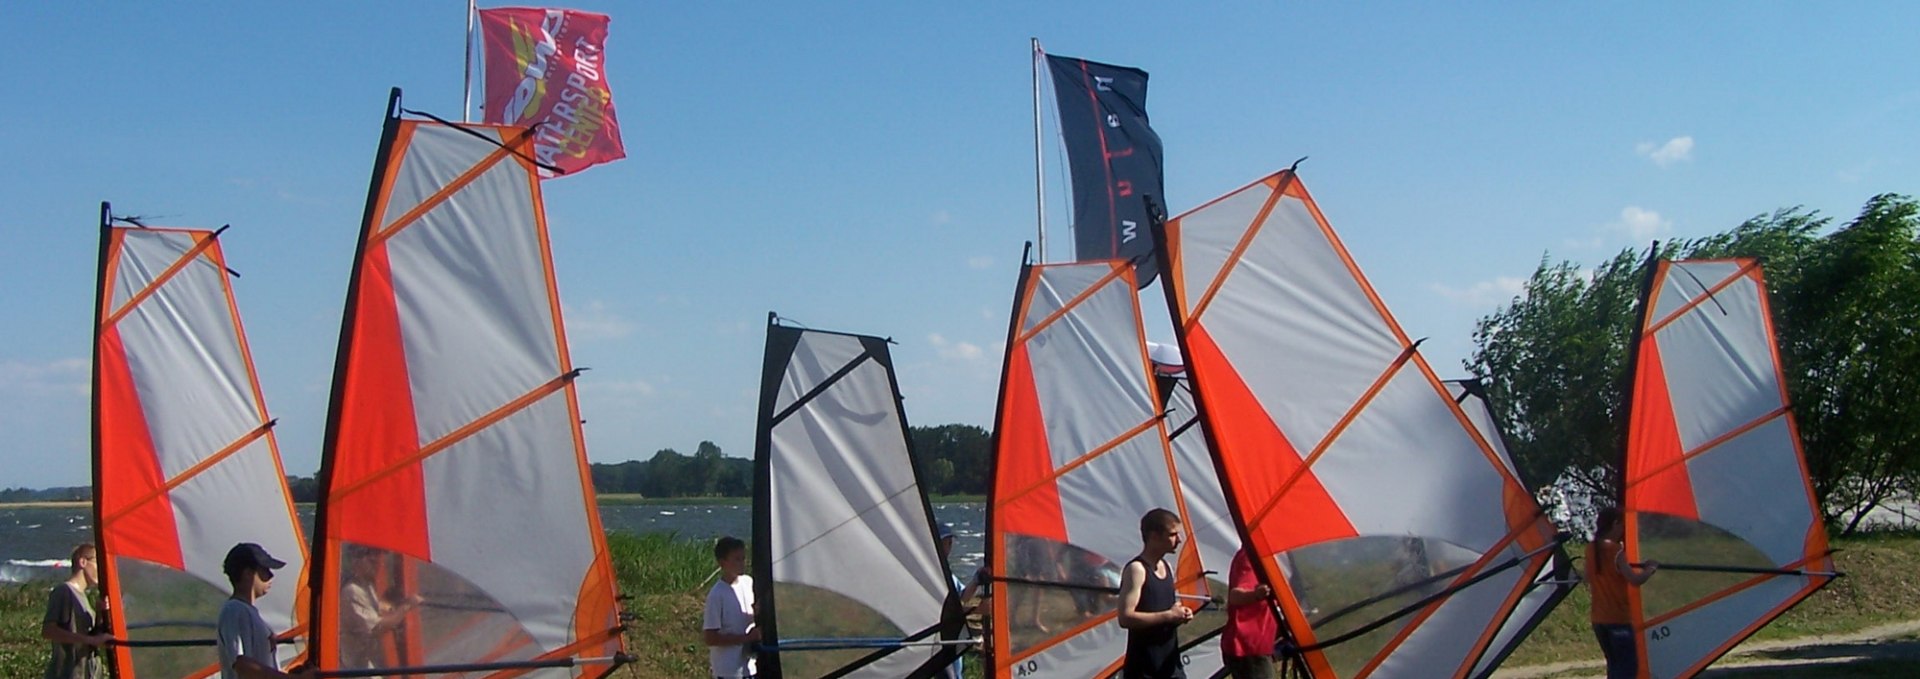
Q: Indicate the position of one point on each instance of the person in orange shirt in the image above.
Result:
(1608, 577)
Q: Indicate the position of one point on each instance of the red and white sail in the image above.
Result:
(184, 458)
(454, 477)
(1552, 584)
(1397, 541)
(1716, 485)
(1080, 454)
(848, 579)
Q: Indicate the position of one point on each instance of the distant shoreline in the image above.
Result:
(48, 504)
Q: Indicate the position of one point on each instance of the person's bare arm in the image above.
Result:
(1131, 579)
(1636, 576)
(60, 635)
(1243, 597)
(714, 637)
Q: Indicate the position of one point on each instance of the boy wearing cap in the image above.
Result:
(246, 643)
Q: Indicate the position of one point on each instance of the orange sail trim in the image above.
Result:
(1308, 515)
(453, 343)
(144, 528)
(1716, 483)
(1036, 511)
(377, 422)
(1411, 542)
(184, 456)
(1661, 480)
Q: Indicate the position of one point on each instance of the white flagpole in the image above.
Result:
(466, 75)
(1039, 169)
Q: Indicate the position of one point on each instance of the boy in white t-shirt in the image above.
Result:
(727, 628)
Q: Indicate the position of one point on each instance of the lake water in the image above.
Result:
(34, 541)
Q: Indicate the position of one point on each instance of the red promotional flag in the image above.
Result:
(548, 67)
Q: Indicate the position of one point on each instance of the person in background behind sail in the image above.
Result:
(368, 614)
(246, 642)
(1150, 610)
(1247, 643)
(727, 627)
(1609, 575)
(70, 624)
(945, 541)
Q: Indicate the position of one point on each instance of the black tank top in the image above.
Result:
(1154, 652)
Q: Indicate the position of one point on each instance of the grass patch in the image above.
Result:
(666, 576)
(1879, 588)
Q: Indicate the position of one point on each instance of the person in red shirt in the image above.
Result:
(1608, 576)
(1247, 641)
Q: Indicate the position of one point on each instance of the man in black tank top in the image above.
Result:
(1150, 611)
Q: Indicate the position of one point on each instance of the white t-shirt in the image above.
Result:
(730, 611)
(243, 634)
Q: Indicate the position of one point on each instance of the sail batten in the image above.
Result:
(1716, 482)
(847, 577)
(185, 462)
(1081, 452)
(1354, 477)
(454, 445)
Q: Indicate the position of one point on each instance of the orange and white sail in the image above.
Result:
(848, 578)
(457, 528)
(1396, 540)
(1203, 501)
(1552, 584)
(1716, 485)
(1080, 454)
(184, 460)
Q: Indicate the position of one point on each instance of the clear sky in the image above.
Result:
(868, 167)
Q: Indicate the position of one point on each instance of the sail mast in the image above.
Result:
(1039, 167)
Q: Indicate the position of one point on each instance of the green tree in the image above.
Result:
(964, 447)
(1855, 347)
(1846, 308)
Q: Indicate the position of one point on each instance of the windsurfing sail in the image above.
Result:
(848, 577)
(1214, 535)
(1080, 454)
(184, 459)
(457, 530)
(1716, 485)
(1395, 538)
(1548, 588)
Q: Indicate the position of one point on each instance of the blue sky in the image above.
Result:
(868, 167)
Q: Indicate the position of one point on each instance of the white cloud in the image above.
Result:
(1495, 292)
(980, 262)
(1638, 224)
(66, 376)
(948, 349)
(1675, 150)
(596, 322)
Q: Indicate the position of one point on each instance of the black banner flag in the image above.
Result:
(1114, 157)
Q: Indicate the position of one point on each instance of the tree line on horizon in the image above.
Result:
(952, 457)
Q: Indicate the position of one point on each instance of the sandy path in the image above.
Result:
(1805, 652)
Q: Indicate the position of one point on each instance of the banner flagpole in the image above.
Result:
(466, 75)
(1039, 170)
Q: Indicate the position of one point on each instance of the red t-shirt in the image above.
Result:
(1251, 628)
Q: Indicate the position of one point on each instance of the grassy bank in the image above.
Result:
(667, 579)
(1880, 587)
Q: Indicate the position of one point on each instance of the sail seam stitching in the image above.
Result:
(460, 434)
(1703, 297)
(1114, 273)
(439, 197)
(188, 475)
(1708, 447)
(153, 286)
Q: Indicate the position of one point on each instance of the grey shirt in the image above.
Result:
(243, 634)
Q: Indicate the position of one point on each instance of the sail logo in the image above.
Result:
(547, 68)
